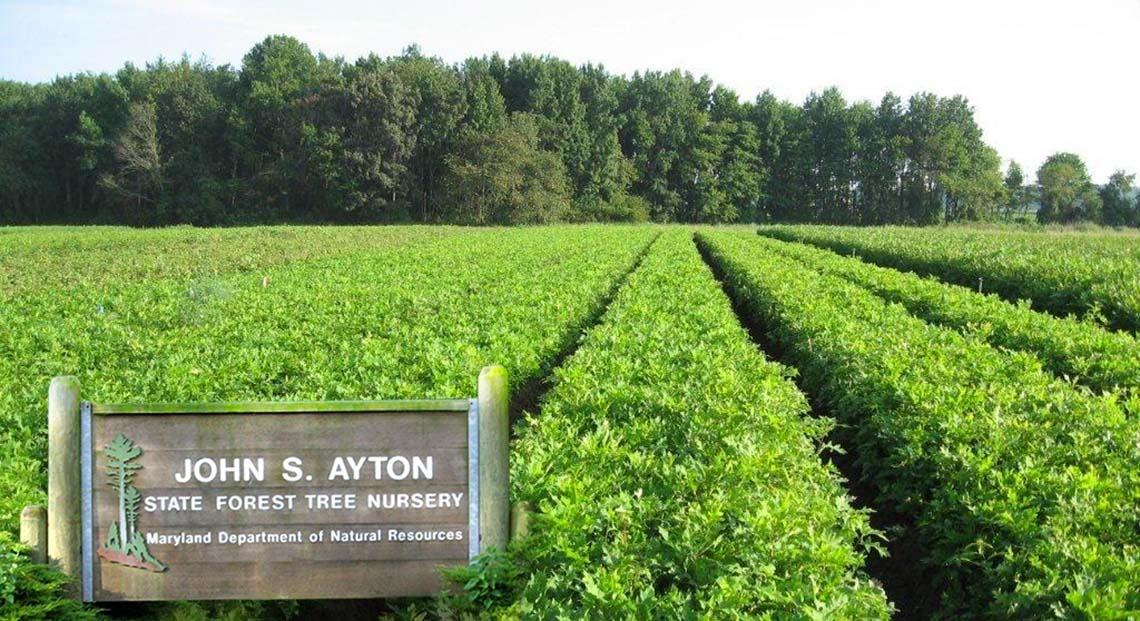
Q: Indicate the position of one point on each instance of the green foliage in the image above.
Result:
(575, 112)
(487, 583)
(310, 313)
(1070, 349)
(31, 591)
(666, 118)
(779, 126)
(830, 161)
(503, 176)
(173, 159)
(621, 208)
(1018, 196)
(829, 132)
(295, 136)
(1067, 192)
(65, 258)
(1096, 275)
(1116, 201)
(227, 611)
(880, 137)
(486, 108)
(139, 178)
(89, 141)
(360, 144)
(440, 106)
(1022, 488)
(276, 75)
(675, 471)
(676, 475)
(735, 172)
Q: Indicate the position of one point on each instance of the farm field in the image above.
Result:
(1084, 351)
(1061, 273)
(337, 326)
(681, 393)
(692, 485)
(57, 257)
(1022, 489)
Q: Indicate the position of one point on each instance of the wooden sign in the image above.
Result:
(287, 500)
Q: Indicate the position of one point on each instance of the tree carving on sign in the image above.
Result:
(126, 544)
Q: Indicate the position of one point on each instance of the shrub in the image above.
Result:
(31, 591)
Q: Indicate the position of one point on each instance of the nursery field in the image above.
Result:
(1061, 273)
(1022, 488)
(708, 422)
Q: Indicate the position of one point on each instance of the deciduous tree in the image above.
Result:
(1067, 192)
(1116, 198)
(503, 176)
(139, 175)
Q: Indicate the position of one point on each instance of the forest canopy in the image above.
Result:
(293, 136)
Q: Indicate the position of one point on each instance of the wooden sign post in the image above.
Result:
(286, 500)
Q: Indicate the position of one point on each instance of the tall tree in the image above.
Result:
(358, 145)
(831, 142)
(664, 136)
(881, 162)
(1018, 195)
(276, 77)
(1067, 192)
(951, 174)
(139, 179)
(298, 136)
(441, 102)
(503, 176)
(26, 183)
(604, 173)
(485, 107)
(80, 114)
(738, 174)
(782, 146)
(192, 102)
(974, 185)
(553, 90)
(1116, 199)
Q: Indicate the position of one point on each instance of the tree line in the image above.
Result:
(293, 136)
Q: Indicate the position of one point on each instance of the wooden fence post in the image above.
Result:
(64, 536)
(494, 468)
(33, 532)
(520, 519)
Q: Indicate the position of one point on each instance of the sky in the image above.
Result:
(1043, 76)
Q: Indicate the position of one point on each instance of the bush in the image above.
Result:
(31, 591)
(621, 208)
